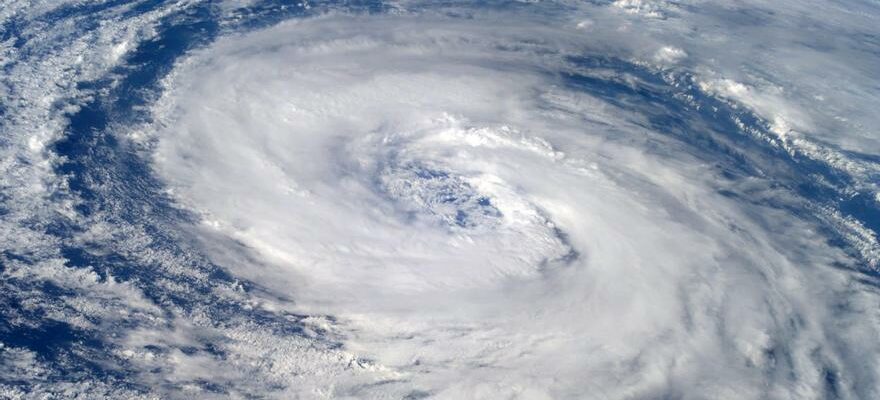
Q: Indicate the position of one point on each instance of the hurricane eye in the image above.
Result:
(426, 193)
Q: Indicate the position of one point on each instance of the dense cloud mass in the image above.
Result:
(526, 200)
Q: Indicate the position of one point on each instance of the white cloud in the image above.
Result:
(447, 208)
(669, 55)
(632, 276)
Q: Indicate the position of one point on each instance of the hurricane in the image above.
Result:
(628, 199)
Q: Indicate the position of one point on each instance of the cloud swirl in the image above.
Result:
(606, 200)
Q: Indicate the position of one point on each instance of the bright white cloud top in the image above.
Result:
(610, 200)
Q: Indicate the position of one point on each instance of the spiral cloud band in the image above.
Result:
(609, 200)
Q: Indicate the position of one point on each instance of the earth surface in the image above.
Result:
(628, 199)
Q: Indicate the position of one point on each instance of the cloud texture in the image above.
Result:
(609, 200)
